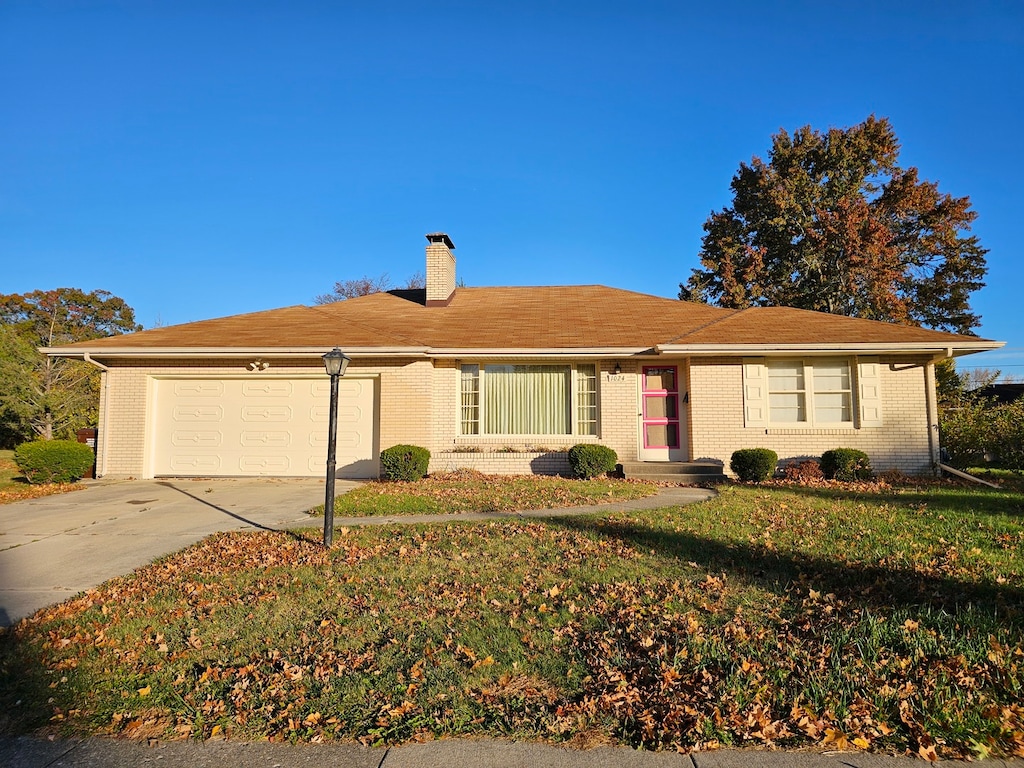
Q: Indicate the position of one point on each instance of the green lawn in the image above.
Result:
(883, 619)
(469, 491)
(8, 470)
(1008, 478)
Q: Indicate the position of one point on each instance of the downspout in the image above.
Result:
(931, 405)
(932, 408)
(101, 465)
(933, 423)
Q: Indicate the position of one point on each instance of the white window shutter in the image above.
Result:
(755, 392)
(869, 378)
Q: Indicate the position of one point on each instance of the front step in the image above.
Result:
(683, 472)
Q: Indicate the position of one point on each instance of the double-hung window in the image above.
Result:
(813, 392)
(517, 399)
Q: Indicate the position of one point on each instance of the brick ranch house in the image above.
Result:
(505, 379)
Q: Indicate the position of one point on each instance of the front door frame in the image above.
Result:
(655, 417)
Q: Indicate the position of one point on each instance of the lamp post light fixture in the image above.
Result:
(336, 363)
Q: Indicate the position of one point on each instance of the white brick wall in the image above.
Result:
(419, 404)
(717, 428)
(549, 463)
(618, 401)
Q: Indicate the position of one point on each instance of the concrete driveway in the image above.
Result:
(55, 547)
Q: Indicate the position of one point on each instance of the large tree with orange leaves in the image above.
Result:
(831, 222)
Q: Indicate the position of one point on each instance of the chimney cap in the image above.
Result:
(441, 237)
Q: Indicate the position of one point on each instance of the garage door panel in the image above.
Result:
(198, 388)
(267, 427)
(192, 464)
(191, 439)
(190, 413)
(267, 389)
(264, 465)
(267, 413)
(280, 439)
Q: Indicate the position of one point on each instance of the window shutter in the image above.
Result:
(869, 378)
(755, 392)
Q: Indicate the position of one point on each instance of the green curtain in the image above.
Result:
(526, 399)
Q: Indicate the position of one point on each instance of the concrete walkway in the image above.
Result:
(25, 752)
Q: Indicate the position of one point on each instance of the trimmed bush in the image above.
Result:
(846, 464)
(404, 462)
(54, 461)
(588, 460)
(754, 465)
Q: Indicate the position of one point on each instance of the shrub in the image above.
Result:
(754, 465)
(1008, 434)
(965, 434)
(54, 461)
(804, 471)
(846, 464)
(404, 462)
(978, 432)
(588, 460)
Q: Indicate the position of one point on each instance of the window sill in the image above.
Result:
(497, 441)
(843, 429)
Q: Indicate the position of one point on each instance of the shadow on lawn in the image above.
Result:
(878, 587)
(981, 500)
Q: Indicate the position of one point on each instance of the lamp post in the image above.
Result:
(336, 362)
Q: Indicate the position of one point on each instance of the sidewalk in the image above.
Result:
(26, 752)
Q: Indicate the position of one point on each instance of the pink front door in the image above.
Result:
(660, 408)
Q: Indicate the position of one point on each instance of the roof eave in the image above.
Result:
(458, 352)
(305, 352)
(861, 348)
(229, 352)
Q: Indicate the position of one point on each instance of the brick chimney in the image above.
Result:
(440, 270)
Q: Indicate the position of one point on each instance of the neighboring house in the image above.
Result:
(504, 379)
(999, 393)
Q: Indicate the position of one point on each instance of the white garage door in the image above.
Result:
(265, 426)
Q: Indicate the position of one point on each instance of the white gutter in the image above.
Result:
(230, 352)
(690, 350)
(539, 352)
(945, 350)
(316, 352)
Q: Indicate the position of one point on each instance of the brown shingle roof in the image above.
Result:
(548, 318)
(785, 325)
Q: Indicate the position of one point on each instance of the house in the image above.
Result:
(1000, 393)
(505, 379)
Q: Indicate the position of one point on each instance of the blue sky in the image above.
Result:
(201, 159)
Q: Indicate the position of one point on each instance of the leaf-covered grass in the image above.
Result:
(14, 487)
(883, 619)
(468, 491)
(1008, 478)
